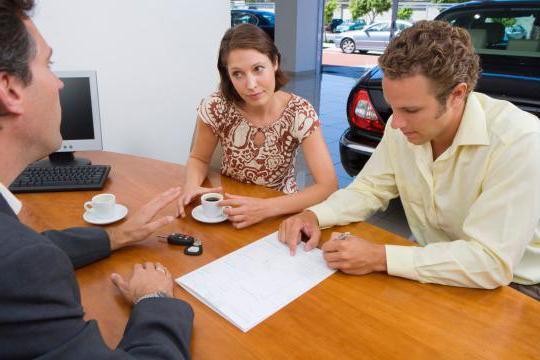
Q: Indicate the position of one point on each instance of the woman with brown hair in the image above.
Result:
(260, 128)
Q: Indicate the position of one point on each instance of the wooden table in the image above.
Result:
(344, 317)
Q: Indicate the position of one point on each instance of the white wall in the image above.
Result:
(154, 59)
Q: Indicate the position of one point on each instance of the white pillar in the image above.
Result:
(298, 36)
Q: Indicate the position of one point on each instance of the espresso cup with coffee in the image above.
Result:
(210, 206)
(101, 206)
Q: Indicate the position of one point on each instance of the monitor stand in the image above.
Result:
(62, 159)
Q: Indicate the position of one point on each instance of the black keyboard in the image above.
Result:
(61, 178)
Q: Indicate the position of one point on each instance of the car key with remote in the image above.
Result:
(178, 239)
(195, 249)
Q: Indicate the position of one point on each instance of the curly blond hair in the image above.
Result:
(437, 50)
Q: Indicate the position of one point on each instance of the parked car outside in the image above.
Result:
(350, 26)
(263, 19)
(372, 37)
(333, 24)
(511, 71)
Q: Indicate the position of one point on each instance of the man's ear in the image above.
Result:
(10, 95)
(459, 93)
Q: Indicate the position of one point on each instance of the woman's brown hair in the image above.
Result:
(246, 36)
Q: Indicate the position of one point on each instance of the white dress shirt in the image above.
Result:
(12, 201)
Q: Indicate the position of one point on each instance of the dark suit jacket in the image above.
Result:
(40, 308)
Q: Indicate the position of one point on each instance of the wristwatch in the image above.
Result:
(157, 294)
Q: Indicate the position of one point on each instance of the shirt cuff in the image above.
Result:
(325, 215)
(400, 261)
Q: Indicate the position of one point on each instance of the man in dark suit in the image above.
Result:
(40, 309)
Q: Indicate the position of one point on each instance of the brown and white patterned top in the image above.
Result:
(270, 163)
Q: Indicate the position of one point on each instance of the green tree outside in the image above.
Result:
(369, 8)
(329, 9)
(404, 13)
(355, 9)
(505, 21)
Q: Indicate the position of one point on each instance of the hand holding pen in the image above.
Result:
(353, 255)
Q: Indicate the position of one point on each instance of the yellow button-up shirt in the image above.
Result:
(475, 209)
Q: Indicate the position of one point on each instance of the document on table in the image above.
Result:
(252, 283)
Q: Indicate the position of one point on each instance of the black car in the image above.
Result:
(510, 71)
(263, 19)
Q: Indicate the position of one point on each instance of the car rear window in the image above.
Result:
(507, 38)
(511, 32)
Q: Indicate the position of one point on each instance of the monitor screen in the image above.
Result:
(75, 100)
(81, 124)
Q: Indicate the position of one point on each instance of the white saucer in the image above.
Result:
(198, 214)
(120, 212)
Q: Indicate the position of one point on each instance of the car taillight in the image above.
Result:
(363, 114)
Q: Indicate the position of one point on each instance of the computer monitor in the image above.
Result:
(81, 123)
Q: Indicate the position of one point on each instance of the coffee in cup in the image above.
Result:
(210, 206)
(101, 206)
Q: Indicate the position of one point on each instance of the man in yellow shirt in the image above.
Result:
(466, 166)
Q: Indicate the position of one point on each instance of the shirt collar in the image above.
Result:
(12, 201)
(473, 128)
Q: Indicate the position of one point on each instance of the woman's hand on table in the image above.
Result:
(190, 193)
(244, 211)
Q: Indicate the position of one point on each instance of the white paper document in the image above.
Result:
(255, 281)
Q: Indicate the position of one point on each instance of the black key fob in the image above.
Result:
(195, 249)
(180, 239)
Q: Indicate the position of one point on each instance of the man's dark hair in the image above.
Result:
(17, 48)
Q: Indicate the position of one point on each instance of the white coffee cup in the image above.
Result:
(101, 206)
(210, 206)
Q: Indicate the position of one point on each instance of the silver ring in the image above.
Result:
(161, 269)
(343, 236)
